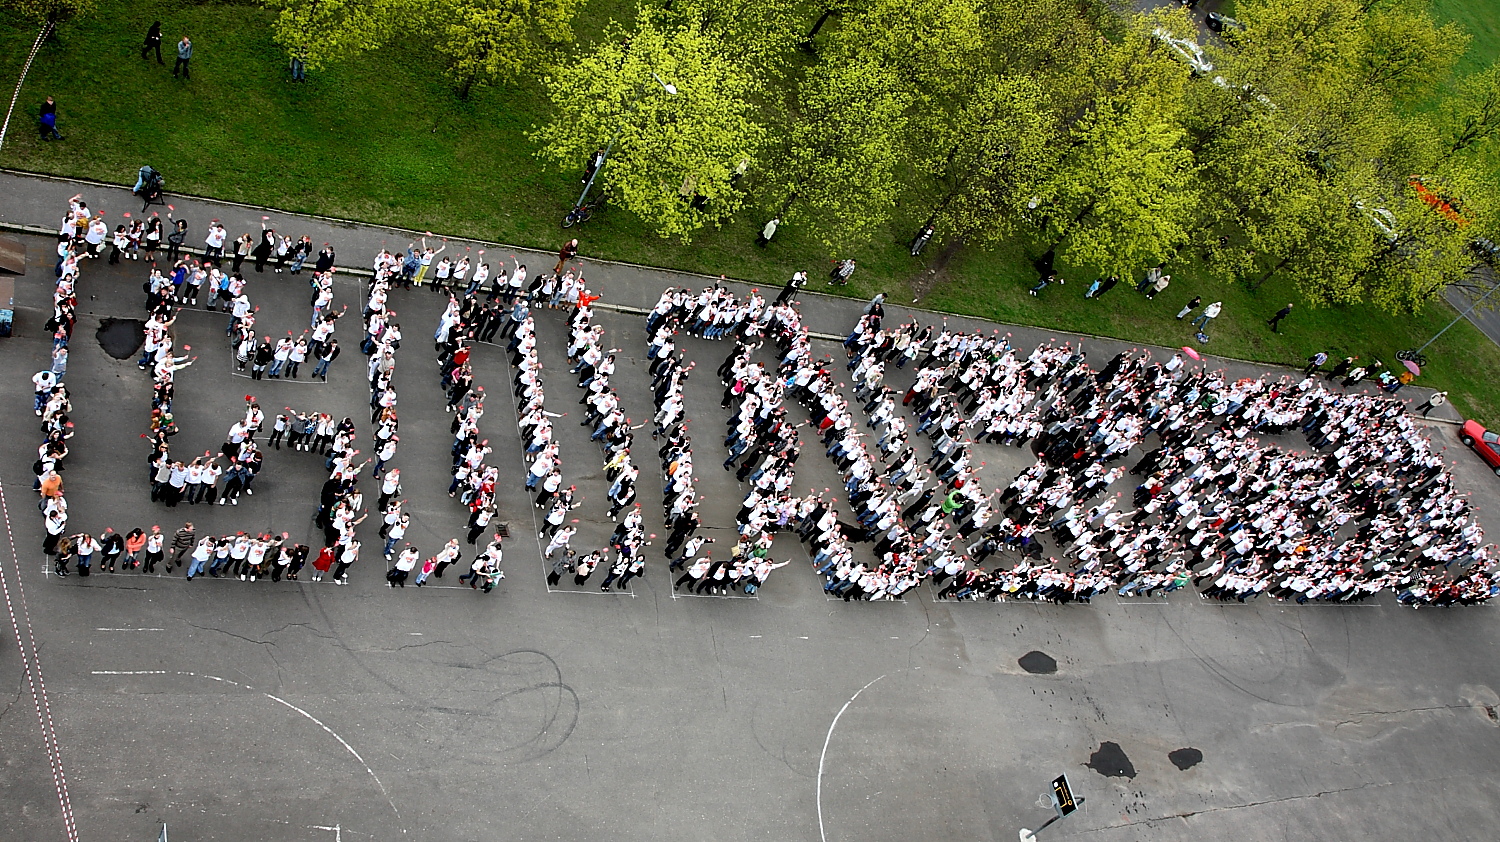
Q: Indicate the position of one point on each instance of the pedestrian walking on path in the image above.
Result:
(1436, 400)
(1315, 362)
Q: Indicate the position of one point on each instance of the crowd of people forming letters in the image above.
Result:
(1149, 475)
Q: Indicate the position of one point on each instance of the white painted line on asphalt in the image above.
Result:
(31, 663)
(126, 630)
(824, 755)
(676, 595)
(631, 594)
(280, 701)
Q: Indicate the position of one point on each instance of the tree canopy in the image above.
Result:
(1104, 139)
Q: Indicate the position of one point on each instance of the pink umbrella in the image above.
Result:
(1412, 367)
(1190, 352)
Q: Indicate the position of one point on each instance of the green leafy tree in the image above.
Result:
(49, 10)
(837, 173)
(1406, 52)
(932, 49)
(1123, 194)
(322, 31)
(1473, 114)
(991, 159)
(673, 157)
(762, 32)
(499, 40)
(1436, 218)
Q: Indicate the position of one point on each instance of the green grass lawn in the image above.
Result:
(382, 138)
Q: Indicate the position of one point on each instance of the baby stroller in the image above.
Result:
(149, 186)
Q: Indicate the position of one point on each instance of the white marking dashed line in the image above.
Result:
(125, 630)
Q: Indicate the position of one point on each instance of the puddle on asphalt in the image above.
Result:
(1185, 758)
(1038, 663)
(121, 338)
(1111, 762)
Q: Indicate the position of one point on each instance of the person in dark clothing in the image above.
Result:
(263, 356)
(267, 246)
(152, 42)
(1275, 320)
(48, 121)
(789, 292)
(1343, 366)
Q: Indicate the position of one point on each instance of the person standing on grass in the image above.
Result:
(1275, 320)
(1158, 286)
(152, 42)
(48, 123)
(1436, 400)
(184, 55)
(768, 232)
(1152, 276)
(1189, 307)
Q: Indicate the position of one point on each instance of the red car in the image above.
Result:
(1484, 442)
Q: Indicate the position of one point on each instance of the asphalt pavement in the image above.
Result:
(251, 711)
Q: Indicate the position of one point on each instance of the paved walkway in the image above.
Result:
(35, 204)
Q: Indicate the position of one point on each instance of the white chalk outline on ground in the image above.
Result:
(822, 834)
(676, 595)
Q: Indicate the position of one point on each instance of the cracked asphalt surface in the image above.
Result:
(522, 714)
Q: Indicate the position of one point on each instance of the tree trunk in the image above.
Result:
(807, 43)
(1274, 269)
(463, 92)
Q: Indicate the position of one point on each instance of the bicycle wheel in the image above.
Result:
(571, 218)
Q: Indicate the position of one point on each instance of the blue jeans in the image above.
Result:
(195, 567)
(276, 367)
(1202, 320)
(321, 369)
(390, 544)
